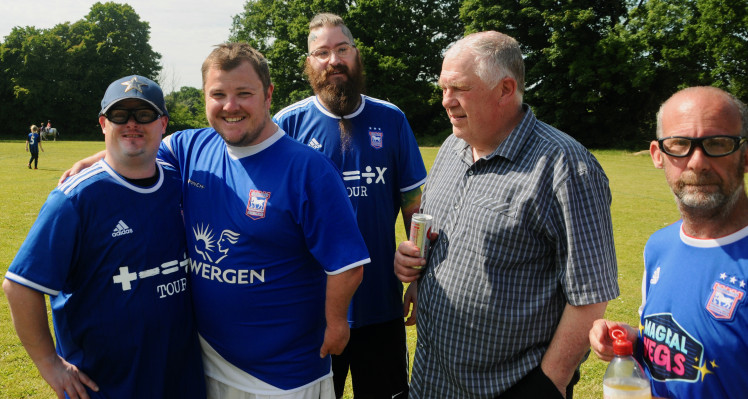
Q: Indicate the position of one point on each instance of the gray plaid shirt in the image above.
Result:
(522, 232)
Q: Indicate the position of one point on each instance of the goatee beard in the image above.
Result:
(341, 98)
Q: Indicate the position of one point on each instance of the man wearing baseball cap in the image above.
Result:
(109, 249)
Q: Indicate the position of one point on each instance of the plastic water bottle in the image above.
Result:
(624, 377)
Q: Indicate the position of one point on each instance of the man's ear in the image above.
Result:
(269, 96)
(164, 123)
(507, 87)
(102, 122)
(656, 154)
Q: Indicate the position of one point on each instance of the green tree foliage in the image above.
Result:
(62, 73)
(401, 43)
(599, 69)
(681, 43)
(573, 81)
(186, 109)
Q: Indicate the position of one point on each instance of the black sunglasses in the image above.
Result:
(142, 115)
(713, 146)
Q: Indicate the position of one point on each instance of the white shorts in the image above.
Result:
(322, 389)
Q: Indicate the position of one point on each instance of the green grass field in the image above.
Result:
(642, 203)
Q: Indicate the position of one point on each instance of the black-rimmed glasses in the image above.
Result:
(342, 51)
(713, 146)
(141, 115)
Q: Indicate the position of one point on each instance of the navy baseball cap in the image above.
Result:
(134, 86)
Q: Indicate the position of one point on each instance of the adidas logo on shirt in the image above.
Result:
(315, 144)
(121, 229)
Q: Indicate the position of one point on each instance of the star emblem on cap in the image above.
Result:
(133, 84)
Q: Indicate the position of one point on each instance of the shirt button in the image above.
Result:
(470, 172)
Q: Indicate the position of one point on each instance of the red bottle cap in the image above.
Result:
(621, 345)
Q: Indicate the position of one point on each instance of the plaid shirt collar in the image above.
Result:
(510, 148)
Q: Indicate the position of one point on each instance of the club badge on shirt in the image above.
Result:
(723, 301)
(257, 204)
(375, 137)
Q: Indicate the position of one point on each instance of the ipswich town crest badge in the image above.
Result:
(258, 201)
(723, 301)
(375, 137)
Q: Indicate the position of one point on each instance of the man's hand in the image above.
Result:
(340, 289)
(411, 298)
(600, 341)
(64, 378)
(80, 165)
(408, 262)
(28, 310)
(336, 338)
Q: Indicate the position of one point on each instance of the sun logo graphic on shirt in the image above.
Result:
(203, 241)
(205, 244)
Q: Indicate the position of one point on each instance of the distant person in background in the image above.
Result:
(33, 145)
(694, 316)
(109, 249)
(371, 142)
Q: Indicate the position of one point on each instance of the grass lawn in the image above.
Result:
(642, 203)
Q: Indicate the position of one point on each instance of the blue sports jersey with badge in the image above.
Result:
(112, 258)
(383, 161)
(266, 224)
(694, 322)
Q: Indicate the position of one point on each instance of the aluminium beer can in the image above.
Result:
(420, 229)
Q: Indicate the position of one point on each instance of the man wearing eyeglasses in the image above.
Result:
(372, 144)
(109, 249)
(693, 316)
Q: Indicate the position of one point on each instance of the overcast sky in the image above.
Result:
(182, 31)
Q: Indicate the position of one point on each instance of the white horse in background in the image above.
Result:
(49, 133)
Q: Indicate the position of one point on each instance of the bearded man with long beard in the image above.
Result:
(372, 144)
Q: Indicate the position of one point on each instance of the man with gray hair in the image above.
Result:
(524, 259)
(696, 269)
(371, 142)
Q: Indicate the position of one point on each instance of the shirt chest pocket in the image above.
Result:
(493, 205)
(499, 232)
(485, 218)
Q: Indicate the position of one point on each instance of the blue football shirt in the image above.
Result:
(33, 139)
(112, 258)
(266, 224)
(383, 162)
(694, 315)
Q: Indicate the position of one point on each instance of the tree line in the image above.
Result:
(60, 74)
(596, 69)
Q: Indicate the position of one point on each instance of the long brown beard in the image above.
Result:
(340, 98)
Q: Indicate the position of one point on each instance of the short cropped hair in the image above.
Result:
(497, 55)
(228, 56)
(327, 19)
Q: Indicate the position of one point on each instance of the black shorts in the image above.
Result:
(377, 356)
